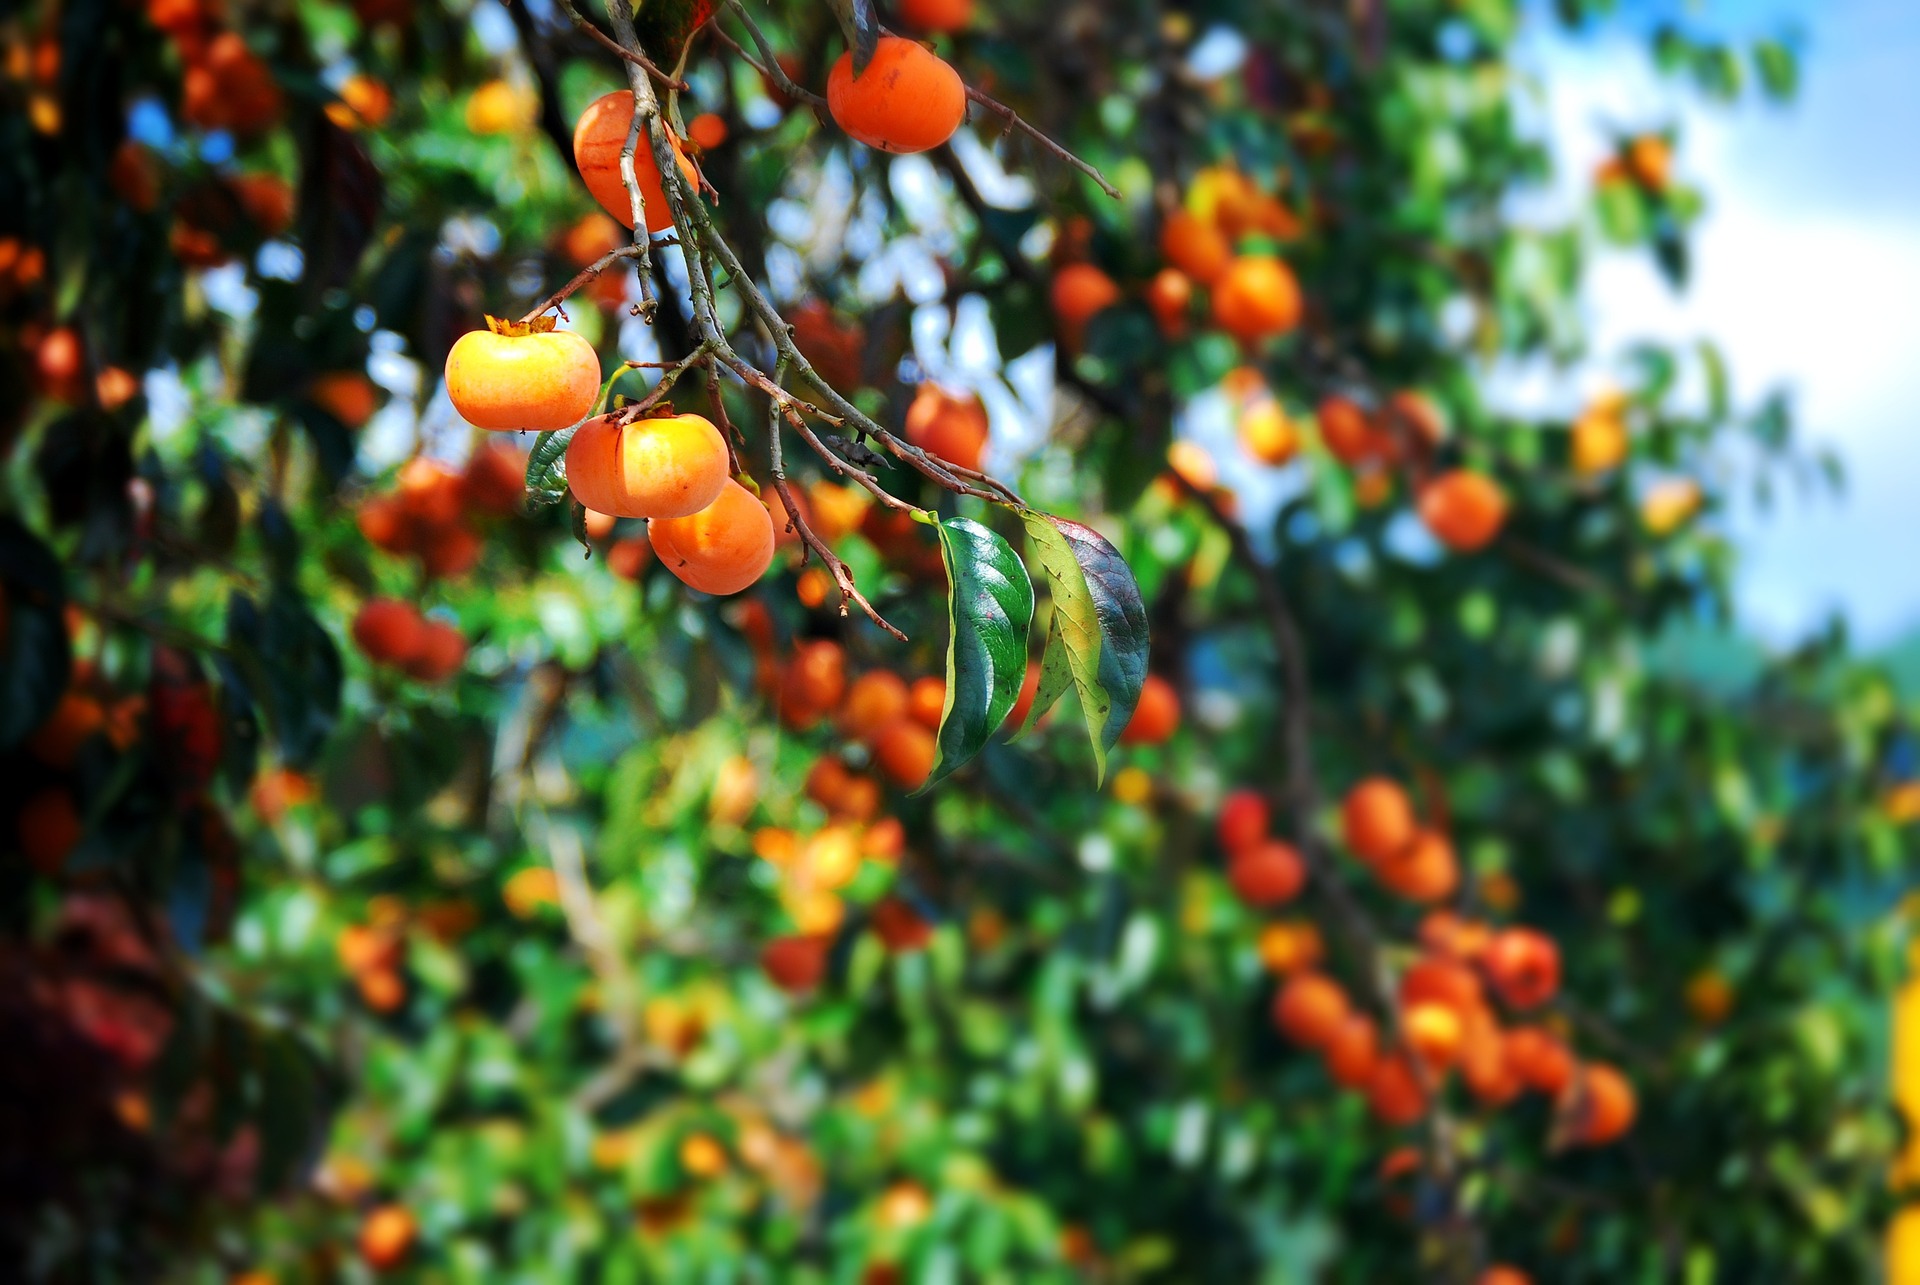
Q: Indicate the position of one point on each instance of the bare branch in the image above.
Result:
(1016, 121)
(633, 55)
(638, 250)
(769, 63)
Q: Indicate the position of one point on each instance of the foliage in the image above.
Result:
(515, 940)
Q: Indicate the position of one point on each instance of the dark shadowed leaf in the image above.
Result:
(34, 643)
(989, 609)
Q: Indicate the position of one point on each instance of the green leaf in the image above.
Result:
(861, 26)
(546, 475)
(1099, 630)
(989, 609)
(1779, 69)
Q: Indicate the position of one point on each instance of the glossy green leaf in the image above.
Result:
(989, 609)
(546, 475)
(1099, 632)
(861, 26)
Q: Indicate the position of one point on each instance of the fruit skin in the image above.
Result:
(348, 395)
(1541, 1061)
(796, 963)
(927, 701)
(723, 548)
(905, 751)
(1269, 873)
(669, 467)
(1195, 246)
(954, 428)
(1310, 1009)
(1464, 510)
(899, 926)
(1377, 819)
(1256, 298)
(1501, 1274)
(442, 651)
(1598, 1106)
(1524, 967)
(389, 631)
(907, 100)
(938, 16)
(1268, 435)
(875, 699)
(507, 382)
(1393, 1091)
(1600, 443)
(1426, 870)
(1352, 1051)
(1080, 292)
(1291, 946)
(1349, 433)
(1170, 295)
(1434, 1032)
(599, 136)
(387, 1236)
(1156, 717)
(1244, 820)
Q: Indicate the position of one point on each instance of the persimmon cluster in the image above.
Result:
(434, 512)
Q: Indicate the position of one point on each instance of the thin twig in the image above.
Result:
(1016, 121)
(633, 55)
(638, 250)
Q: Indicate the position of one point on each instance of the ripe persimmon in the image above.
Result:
(1267, 434)
(671, 466)
(386, 1236)
(1598, 1105)
(75, 719)
(816, 676)
(1352, 1051)
(1464, 509)
(1541, 1060)
(796, 963)
(599, 136)
(628, 558)
(1269, 873)
(707, 131)
(1157, 715)
(429, 492)
(383, 520)
(1290, 946)
(905, 751)
(723, 548)
(50, 829)
(1441, 981)
(1393, 1091)
(899, 927)
(954, 428)
(1416, 417)
(1080, 292)
(389, 631)
(1170, 296)
(1600, 442)
(938, 16)
(702, 1156)
(1524, 967)
(1425, 870)
(542, 381)
(1256, 298)
(1451, 936)
(1348, 432)
(494, 480)
(1195, 246)
(1377, 819)
(875, 699)
(907, 100)
(1485, 1067)
(1501, 1274)
(1309, 1008)
(1023, 703)
(1244, 820)
(927, 701)
(442, 651)
(347, 395)
(1433, 1033)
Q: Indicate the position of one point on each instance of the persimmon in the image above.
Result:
(382, 989)
(723, 548)
(1170, 296)
(1416, 417)
(115, 386)
(1541, 1060)
(347, 395)
(671, 466)
(1501, 1274)
(541, 381)
(50, 829)
(1709, 997)
(796, 963)
(1080, 292)
(885, 840)
(364, 101)
(1157, 715)
(1600, 443)
(1352, 1051)
(1424, 871)
(1485, 1066)
(499, 108)
(383, 520)
(60, 364)
(1394, 1093)
(875, 699)
(1290, 946)
(1195, 246)
(442, 651)
(907, 100)
(1441, 981)
(834, 346)
(1256, 298)
(267, 201)
(362, 948)
(1453, 937)
(707, 131)
(837, 510)
(1309, 1008)
(1243, 821)
(938, 16)
(134, 175)
(1377, 819)
(1023, 703)
(1349, 432)
(277, 791)
(429, 491)
(599, 137)
(1598, 1106)
(1267, 434)
(927, 701)
(1464, 509)
(389, 631)
(386, 1236)
(1650, 161)
(954, 428)
(1524, 967)
(628, 558)
(494, 480)
(1434, 1033)
(816, 676)
(905, 750)
(1669, 504)
(786, 531)
(899, 927)
(1269, 873)
(1193, 464)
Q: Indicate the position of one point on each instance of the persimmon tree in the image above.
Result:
(658, 846)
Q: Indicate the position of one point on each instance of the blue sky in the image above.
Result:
(1808, 274)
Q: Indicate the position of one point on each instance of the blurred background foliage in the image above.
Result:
(316, 967)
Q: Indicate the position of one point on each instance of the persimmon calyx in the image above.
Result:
(540, 325)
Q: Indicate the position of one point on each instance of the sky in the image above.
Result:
(1807, 273)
